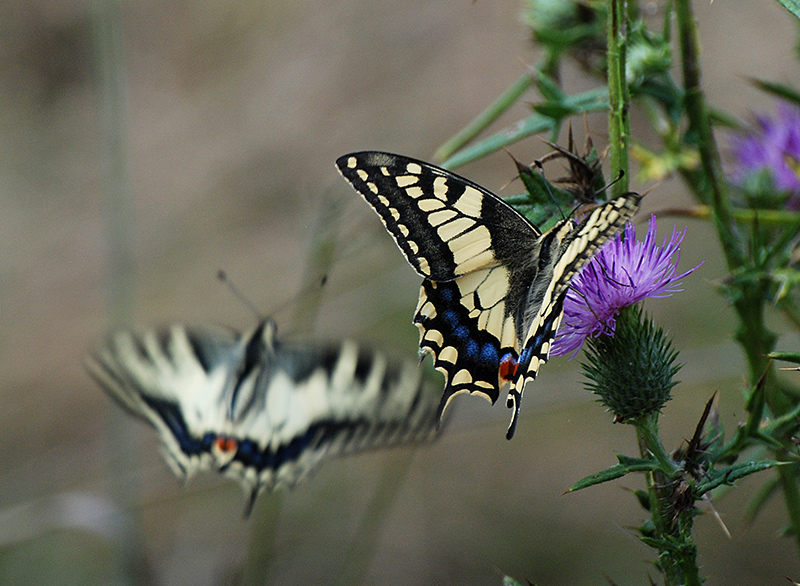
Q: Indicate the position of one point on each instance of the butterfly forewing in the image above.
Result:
(443, 223)
(492, 298)
(263, 413)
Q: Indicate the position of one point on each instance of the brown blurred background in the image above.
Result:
(236, 112)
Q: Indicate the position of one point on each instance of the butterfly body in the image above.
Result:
(259, 411)
(493, 284)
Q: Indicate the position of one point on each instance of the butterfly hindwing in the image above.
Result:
(263, 413)
(469, 332)
(474, 251)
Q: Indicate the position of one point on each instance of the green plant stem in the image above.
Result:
(712, 186)
(749, 299)
(595, 100)
(548, 66)
(754, 337)
(485, 118)
(618, 95)
(650, 443)
(673, 528)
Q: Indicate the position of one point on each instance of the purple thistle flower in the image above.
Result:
(768, 146)
(623, 273)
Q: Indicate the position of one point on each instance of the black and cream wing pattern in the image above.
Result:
(493, 284)
(263, 412)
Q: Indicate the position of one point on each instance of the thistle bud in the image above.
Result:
(633, 371)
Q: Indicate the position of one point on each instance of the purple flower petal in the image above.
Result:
(623, 273)
(768, 146)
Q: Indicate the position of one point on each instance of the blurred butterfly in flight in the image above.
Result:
(493, 284)
(257, 410)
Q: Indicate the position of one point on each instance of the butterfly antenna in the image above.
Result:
(244, 299)
(609, 184)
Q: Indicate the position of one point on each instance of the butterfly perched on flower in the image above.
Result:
(263, 412)
(494, 284)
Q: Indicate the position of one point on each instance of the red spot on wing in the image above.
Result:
(508, 367)
(226, 444)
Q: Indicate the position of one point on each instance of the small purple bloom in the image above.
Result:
(624, 272)
(768, 146)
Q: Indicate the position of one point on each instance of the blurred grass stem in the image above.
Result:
(262, 538)
(112, 108)
(362, 549)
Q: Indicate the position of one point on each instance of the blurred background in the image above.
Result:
(232, 116)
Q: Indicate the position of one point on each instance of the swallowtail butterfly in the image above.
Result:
(494, 284)
(257, 410)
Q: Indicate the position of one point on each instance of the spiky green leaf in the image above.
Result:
(731, 474)
(626, 465)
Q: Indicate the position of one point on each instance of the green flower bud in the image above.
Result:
(648, 56)
(632, 372)
(567, 25)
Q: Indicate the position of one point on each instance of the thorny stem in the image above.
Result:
(672, 525)
(700, 134)
(618, 95)
(750, 298)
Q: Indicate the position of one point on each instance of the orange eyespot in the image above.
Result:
(508, 367)
(225, 444)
